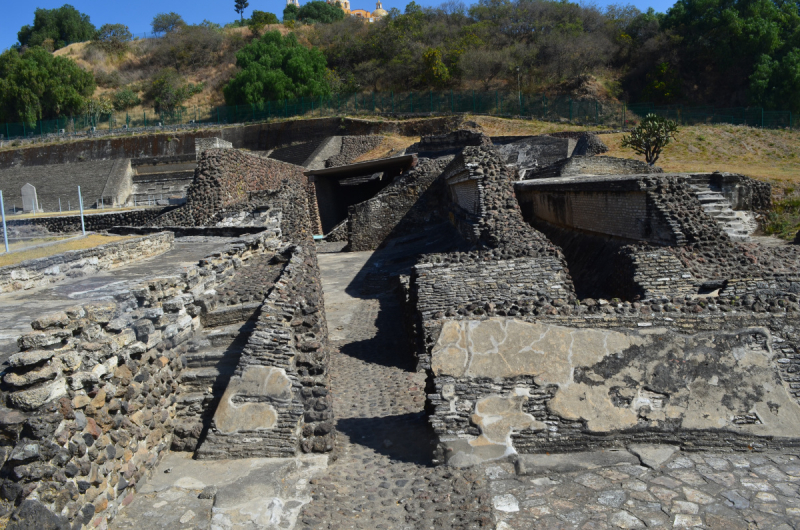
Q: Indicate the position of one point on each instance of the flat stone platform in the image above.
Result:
(18, 309)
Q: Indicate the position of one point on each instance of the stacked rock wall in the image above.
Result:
(93, 222)
(226, 179)
(43, 271)
(592, 165)
(404, 206)
(91, 396)
(352, 148)
(278, 401)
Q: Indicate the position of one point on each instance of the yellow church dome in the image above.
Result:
(379, 11)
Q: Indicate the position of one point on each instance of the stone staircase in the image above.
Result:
(739, 225)
(208, 366)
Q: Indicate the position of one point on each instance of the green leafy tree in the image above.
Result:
(651, 136)
(259, 19)
(99, 108)
(239, 6)
(125, 98)
(318, 12)
(168, 92)
(166, 23)
(436, 72)
(276, 67)
(113, 38)
(290, 13)
(36, 85)
(63, 25)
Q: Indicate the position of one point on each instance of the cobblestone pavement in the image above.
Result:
(704, 490)
(380, 475)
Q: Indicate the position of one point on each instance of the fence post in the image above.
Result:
(624, 117)
(392, 101)
(217, 115)
(412, 102)
(473, 101)
(80, 201)
(762, 117)
(790, 119)
(596, 113)
(3, 213)
(431, 94)
(7, 136)
(59, 205)
(570, 109)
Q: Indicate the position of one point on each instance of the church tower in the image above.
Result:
(295, 3)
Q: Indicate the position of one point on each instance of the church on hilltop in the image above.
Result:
(345, 6)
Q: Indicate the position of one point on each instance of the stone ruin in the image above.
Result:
(581, 303)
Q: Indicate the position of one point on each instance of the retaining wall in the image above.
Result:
(91, 395)
(44, 271)
(93, 222)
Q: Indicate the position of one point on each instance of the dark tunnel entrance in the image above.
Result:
(338, 188)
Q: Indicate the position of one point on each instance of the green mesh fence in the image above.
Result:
(496, 103)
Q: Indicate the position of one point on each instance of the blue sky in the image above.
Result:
(138, 14)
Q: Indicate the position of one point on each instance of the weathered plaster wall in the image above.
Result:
(44, 271)
(504, 385)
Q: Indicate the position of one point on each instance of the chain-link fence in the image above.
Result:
(496, 103)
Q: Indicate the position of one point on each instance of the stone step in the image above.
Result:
(212, 356)
(201, 379)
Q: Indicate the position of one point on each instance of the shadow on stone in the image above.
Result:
(403, 437)
(389, 346)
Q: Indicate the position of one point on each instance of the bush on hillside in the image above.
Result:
(124, 99)
(168, 92)
(290, 13)
(62, 26)
(275, 67)
(36, 85)
(188, 48)
(259, 19)
(166, 23)
(113, 38)
(318, 12)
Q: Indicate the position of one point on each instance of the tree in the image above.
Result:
(166, 23)
(290, 13)
(651, 136)
(436, 72)
(36, 85)
(239, 6)
(113, 38)
(259, 19)
(64, 25)
(318, 12)
(275, 67)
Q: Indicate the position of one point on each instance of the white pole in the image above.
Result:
(3, 210)
(80, 201)
(59, 205)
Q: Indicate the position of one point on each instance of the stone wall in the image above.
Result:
(278, 401)
(448, 143)
(102, 178)
(91, 394)
(352, 148)
(404, 206)
(227, 179)
(44, 271)
(592, 165)
(640, 380)
(94, 222)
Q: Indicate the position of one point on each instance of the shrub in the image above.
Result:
(318, 12)
(259, 19)
(107, 79)
(125, 98)
(167, 91)
(651, 136)
(189, 47)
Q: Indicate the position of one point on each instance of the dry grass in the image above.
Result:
(765, 154)
(391, 145)
(514, 127)
(73, 212)
(82, 243)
